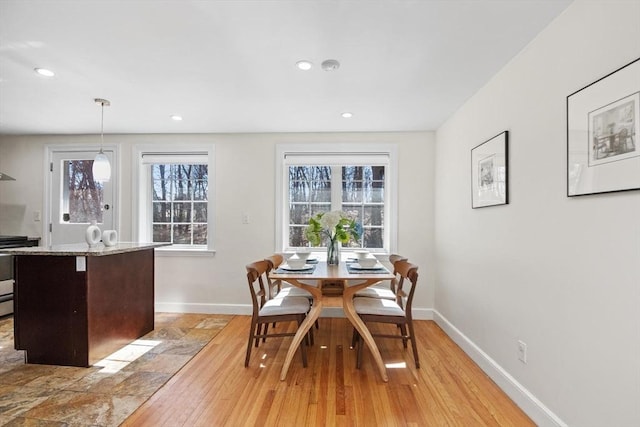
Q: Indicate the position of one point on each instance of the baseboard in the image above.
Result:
(245, 309)
(533, 407)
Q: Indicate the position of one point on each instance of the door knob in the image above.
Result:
(106, 207)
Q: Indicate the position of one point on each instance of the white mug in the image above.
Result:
(110, 237)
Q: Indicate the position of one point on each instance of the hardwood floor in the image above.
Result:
(215, 389)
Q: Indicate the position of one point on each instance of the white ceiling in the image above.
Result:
(229, 66)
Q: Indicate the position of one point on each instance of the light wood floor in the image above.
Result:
(215, 389)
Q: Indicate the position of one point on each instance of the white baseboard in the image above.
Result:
(533, 407)
(245, 309)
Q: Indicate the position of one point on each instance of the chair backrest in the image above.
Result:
(408, 273)
(393, 258)
(275, 286)
(257, 276)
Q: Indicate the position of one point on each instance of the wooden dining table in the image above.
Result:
(353, 282)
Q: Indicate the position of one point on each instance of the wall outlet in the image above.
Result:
(522, 351)
(37, 216)
(245, 217)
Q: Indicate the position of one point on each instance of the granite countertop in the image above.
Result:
(82, 249)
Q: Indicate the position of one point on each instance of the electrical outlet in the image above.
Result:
(522, 351)
(245, 217)
(37, 216)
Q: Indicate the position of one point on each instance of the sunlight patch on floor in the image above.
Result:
(121, 358)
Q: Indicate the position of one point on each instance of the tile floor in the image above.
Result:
(108, 392)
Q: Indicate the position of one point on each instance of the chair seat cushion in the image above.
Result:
(376, 292)
(288, 305)
(377, 306)
(294, 292)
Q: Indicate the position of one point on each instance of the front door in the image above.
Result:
(76, 199)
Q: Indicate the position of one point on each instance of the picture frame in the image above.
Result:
(490, 172)
(603, 126)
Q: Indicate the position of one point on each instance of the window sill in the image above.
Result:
(188, 252)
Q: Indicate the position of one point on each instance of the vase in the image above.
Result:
(92, 235)
(333, 252)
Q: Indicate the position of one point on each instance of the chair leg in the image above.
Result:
(266, 330)
(413, 345)
(354, 338)
(403, 331)
(251, 335)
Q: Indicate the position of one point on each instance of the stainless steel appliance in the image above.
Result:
(6, 270)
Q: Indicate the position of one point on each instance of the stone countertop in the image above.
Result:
(82, 249)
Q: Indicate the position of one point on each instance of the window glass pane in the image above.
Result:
(161, 212)
(182, 234)
(373, 215)
(297, 238)
(182, 212)
(373, 238)
(200, 189)
(200, 234)
(162, 233)
(82, 196)
(199, 212)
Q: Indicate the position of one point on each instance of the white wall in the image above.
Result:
(562, 274)
(244, 182)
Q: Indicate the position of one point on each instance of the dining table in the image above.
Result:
(312, 278)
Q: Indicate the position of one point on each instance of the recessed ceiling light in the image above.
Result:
(44, 72)
(330, 65)
(346, 115)
(304, 65)
(176, 118)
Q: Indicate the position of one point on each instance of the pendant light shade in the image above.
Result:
(101, 166)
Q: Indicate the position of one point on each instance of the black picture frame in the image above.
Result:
(490, 172)
(603, 125)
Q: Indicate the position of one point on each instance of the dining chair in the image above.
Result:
(267, 311)
(276, 290)
(275, 286)
(378, 310)
(379, 290)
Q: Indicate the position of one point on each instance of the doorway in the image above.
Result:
(75, 199)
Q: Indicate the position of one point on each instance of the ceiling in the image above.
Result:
(229, 66)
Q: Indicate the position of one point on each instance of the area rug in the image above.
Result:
(108, 392)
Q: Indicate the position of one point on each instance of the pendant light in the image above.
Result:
(101, 165)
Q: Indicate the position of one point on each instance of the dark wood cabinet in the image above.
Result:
(76, 310)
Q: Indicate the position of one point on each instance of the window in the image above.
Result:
(174, 203)
(318, 179)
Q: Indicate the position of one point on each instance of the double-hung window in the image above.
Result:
(173, 197)
(357, 180)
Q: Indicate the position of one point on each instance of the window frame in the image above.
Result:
(337, 155)
(141, 193)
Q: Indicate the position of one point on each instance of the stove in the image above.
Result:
(6, 269)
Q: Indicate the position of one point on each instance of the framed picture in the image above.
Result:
(489, 172)
(603, 124)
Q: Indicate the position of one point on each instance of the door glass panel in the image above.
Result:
(81, 195)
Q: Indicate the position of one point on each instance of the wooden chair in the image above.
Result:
(379, 290)
(276, 290)
(381, 310)
(275, 286)
(267, 311)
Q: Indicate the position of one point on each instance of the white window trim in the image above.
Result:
(140, 188)
(361, 150)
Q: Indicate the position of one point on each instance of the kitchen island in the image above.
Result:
(75, 305)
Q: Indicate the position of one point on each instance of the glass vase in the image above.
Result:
(333, 252)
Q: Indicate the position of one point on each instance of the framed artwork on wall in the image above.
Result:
(603, 125)
(489, 172)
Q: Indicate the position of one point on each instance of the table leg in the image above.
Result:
(356, 321)
(308, 323)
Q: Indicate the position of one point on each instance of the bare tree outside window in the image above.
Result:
(179, 203)
(362, 198)
(82, 196)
